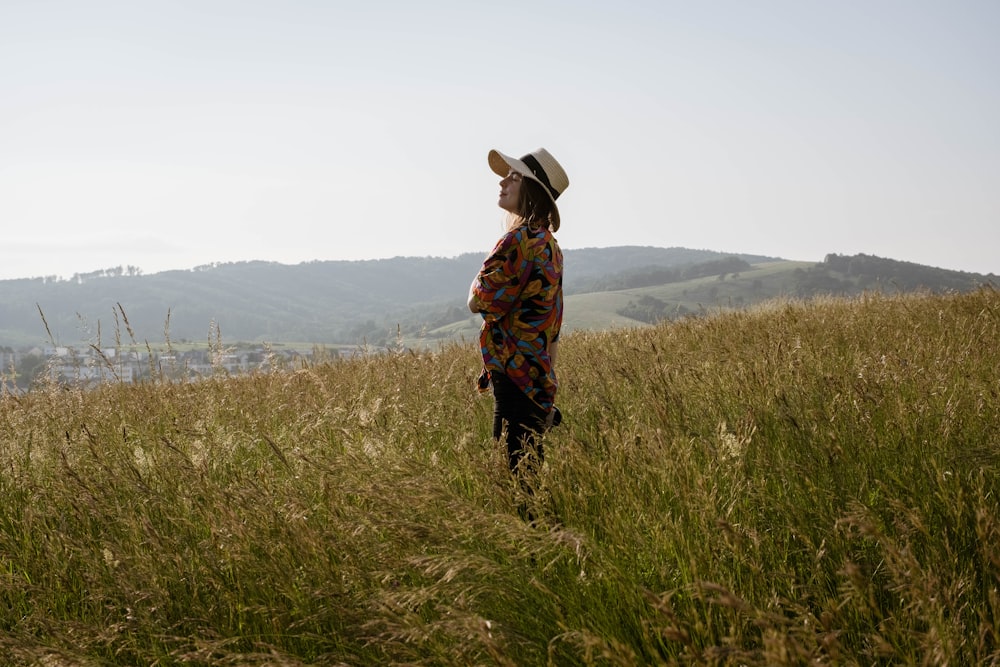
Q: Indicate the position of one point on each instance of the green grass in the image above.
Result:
(796, 483)
(766, 281)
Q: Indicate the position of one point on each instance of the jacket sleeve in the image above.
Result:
(501, 278)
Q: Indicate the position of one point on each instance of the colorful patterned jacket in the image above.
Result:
(519, 293)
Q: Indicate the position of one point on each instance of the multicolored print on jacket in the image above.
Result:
(519, 294)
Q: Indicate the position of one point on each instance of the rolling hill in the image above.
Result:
(420, 299)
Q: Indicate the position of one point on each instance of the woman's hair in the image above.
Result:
(535, 207)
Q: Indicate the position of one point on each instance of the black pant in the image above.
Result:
(522, 417)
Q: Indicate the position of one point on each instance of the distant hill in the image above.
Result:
(421, 299)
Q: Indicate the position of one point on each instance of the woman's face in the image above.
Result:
(510, 191)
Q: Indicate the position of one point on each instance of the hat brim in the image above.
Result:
(502, 164)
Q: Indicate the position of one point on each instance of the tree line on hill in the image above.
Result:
(836, 275)
(852, 274)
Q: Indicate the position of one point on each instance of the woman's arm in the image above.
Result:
(499, 282)
(472, 295)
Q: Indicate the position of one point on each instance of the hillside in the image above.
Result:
(420, 298)
(803, 483)
(646, 295)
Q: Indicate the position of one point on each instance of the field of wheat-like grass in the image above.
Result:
(798, 483)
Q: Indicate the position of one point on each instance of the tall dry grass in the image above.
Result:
(803, 483)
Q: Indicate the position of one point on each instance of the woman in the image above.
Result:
(518, 291)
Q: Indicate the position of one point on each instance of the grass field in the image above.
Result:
(796, 483)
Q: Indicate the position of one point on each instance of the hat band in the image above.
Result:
(536, 169)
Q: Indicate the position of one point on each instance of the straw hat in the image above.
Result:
(539, 166)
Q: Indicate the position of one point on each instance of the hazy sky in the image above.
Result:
(166, 135)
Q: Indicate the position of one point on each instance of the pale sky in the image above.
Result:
(167, 135)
